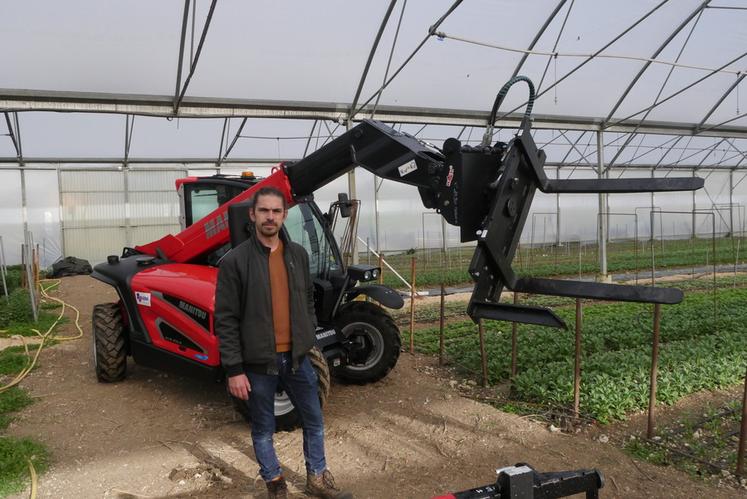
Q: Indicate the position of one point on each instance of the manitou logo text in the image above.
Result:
(192, 310)
(216, 225)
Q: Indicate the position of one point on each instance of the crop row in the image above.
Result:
(697, 351)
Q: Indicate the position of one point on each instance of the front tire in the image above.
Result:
(373, 342)
(109, 343)
(286, 415)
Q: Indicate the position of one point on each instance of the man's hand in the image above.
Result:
(239, 386)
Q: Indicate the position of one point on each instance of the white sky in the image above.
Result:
(316, 51)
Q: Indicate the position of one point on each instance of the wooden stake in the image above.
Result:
(654, 365)
(514, 341)
(483, 357)
(743, 433)
(577, 371)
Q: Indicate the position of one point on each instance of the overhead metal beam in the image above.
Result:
(431, 32)
(180, 62)
(49, 162)
(371, 54)
(678, 92)
(18, 141)
(389, 60)
(655, 55)
(661, 88)
(724, 96)
(538, 36)
(193, 65)
(555, 46)
(12, 136)
(199, 107)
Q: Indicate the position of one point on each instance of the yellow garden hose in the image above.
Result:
(48, 335)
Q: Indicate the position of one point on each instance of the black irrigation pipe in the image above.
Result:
(686, 454)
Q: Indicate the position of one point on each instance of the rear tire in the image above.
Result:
(286, 416)
(376, 337)
(109, 343)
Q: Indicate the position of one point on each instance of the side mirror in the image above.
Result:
(344, 204)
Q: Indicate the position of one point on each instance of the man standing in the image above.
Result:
(265, 321)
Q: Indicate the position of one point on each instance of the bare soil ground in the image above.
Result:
(157, 435)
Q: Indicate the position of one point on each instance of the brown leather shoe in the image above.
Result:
(277, 489)
(323, 485)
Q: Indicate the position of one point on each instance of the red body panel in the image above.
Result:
(195, 284)
(211, 232)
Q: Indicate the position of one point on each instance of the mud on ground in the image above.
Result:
(411, 435)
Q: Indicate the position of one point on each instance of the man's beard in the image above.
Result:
(269, 229)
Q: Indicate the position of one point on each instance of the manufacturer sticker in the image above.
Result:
(200, 356)
(142, 298)
(450, 176)
(407, 168)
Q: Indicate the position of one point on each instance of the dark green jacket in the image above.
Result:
(243, 307)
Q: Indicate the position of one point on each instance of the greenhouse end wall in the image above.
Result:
(96, 211)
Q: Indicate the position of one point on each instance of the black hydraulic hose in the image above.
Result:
(488, 137)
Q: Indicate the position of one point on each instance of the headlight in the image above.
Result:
(367, 275)
(375, 273)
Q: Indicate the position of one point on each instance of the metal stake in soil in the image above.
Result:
(412, 307)
(577, 371)
(441, 327)
(742, 433)
(654, 365)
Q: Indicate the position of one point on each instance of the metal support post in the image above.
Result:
(128, 231)
(3, 271)
(352, 194)
(443, 295)
(441, 327)
(602, 224)
(743, 433)
(514, 341)
(577, 367)
(376, 212)
(557, 210)
(654, 366)
(731, 204)
(693, 217)
(412, 306)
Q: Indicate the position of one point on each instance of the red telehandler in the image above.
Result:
(164, 316)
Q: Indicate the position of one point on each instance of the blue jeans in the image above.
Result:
(301, 387)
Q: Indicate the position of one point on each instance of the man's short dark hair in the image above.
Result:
(268, 191)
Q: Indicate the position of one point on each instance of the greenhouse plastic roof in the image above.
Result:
(274, 79)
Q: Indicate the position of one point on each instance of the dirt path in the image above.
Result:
(410, 435)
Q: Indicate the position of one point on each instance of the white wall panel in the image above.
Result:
(150, 180)
(148, 233)
(153, 208)
(91, 181)
(93, 209)
(94, 244)
(11, 221)
(43, 211)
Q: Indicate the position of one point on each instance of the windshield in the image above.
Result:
(305, 229)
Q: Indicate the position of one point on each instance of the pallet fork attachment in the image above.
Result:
(487, 192)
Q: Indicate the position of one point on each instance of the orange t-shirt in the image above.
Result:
(280, 300)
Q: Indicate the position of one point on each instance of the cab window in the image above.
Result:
(305, 229)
